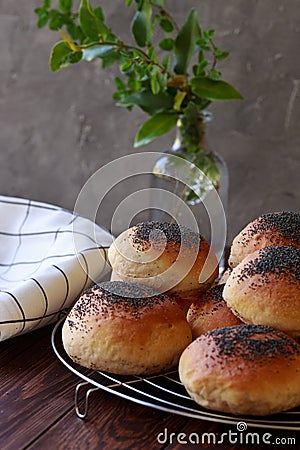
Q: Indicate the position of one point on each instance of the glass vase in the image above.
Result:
(190, 145)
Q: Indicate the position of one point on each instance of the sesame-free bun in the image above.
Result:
(210, 312)
(278, 228)
(265, 288)
(166, 257)
(126, 329)
(245, 369)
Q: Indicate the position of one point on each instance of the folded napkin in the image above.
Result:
(48, 256)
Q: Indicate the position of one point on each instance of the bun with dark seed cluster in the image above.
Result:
(245, 369)
(279, 228)
(125, 328)
(265, 288)
(210, 312)
(167, 257)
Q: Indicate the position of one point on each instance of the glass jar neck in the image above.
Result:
(190, 132)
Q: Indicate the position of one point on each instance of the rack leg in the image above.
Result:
(83, 414)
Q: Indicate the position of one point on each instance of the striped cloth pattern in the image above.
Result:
(48, 256)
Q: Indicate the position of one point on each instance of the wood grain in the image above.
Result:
(113, 423)
(11, 348)
(35, 391)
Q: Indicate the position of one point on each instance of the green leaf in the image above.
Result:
(65, 5)
(152, 54)
(166, 62)
(59, 55)
(148, 102)
(141, 26)
(214, 74)
(98, 51)
(43, 19)
(47, 4)
(220, 55)
(155, 85)
(167, 44)
(166, 24)
(214, 90)
(159, 124)
(91, 25)
(186, 42)
(126, 66)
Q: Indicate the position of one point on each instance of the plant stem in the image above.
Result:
(122, 46)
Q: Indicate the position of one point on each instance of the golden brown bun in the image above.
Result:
(210, 312)
(245, 369)
(125, 328)
(166, 257)
(265, 288)
(279, 228)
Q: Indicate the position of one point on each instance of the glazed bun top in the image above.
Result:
(245, 347)
(271, 264)
(158, 234)
(119, 298)
(161, 255)
(278, 228)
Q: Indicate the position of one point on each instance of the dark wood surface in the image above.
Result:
(37, 410)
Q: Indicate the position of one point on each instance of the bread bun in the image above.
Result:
(210, 312)
(125, 328)
(166, 257)
(278, 228)
(245, 369)
(265, 288)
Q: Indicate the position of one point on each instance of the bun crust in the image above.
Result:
(211, 312)
(166, 257)
(125, 328)
(264, 288)
(246, 369)
(279, 228)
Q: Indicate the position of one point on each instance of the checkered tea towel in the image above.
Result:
(48, 256)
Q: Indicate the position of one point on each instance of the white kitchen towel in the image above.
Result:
(48, 256)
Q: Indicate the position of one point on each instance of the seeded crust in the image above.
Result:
(279, 228)
(166, 257)
(211, 312)
(245, 369)
(264, 288)
(126, 329)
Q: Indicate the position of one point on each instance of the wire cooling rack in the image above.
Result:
(164, 392)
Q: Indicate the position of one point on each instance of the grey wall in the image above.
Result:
(57, 129)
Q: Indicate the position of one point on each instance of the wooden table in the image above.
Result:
(37, 410)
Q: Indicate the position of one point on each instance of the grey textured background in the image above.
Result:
(57, 129)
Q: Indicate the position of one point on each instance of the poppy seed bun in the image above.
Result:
(210, 312)
(166, 257)
(265, 288)
(245, 369)
(126, 329)
(279, 228)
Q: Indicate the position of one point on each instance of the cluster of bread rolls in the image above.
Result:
(136, 323)
(252, 367)
(165, 308)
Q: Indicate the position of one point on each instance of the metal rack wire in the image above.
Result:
(164, 392)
